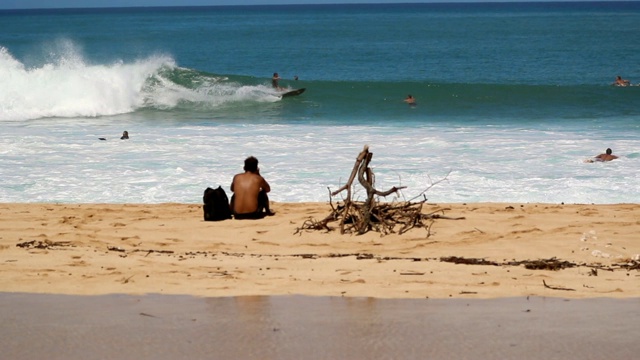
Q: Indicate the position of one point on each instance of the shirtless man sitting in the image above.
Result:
(249, 199)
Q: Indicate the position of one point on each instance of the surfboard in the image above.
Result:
(293, 93)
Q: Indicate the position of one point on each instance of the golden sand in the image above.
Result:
(169, 249)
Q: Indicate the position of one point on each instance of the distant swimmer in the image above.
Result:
(410, 100)
(275, 81)
(621, 82)
(125, 136)
(607, 156)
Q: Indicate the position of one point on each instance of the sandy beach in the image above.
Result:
(128, 281)
(495, 251)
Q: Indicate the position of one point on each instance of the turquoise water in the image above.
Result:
(512, 98)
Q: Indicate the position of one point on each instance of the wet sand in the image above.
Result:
(41, 326)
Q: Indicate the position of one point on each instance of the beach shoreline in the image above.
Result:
(494, 252)
(49, 326)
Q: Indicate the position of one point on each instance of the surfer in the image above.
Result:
(621, 82)
(250, 200)
(607, 156)
(125, 136)
(274, 81)
(410, 100)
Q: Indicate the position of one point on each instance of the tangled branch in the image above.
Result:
(359, 217)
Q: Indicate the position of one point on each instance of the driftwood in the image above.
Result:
(556, 287)
(359, 217)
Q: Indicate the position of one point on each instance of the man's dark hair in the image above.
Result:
(608, 152)
(251, 164)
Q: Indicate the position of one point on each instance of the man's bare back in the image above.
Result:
(246, 188)
(607, 156)
(250, 192)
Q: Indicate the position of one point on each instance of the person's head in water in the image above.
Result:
(609, 151)
(251, 164)
(410, 100)
(125, 135)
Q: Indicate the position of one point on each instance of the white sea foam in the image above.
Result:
(65, 85)
(68, 87)
(47, 161)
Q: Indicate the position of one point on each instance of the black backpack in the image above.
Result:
(216, 205)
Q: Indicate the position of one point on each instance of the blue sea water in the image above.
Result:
(512, 98)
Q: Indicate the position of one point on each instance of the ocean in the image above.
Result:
(512, 98)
